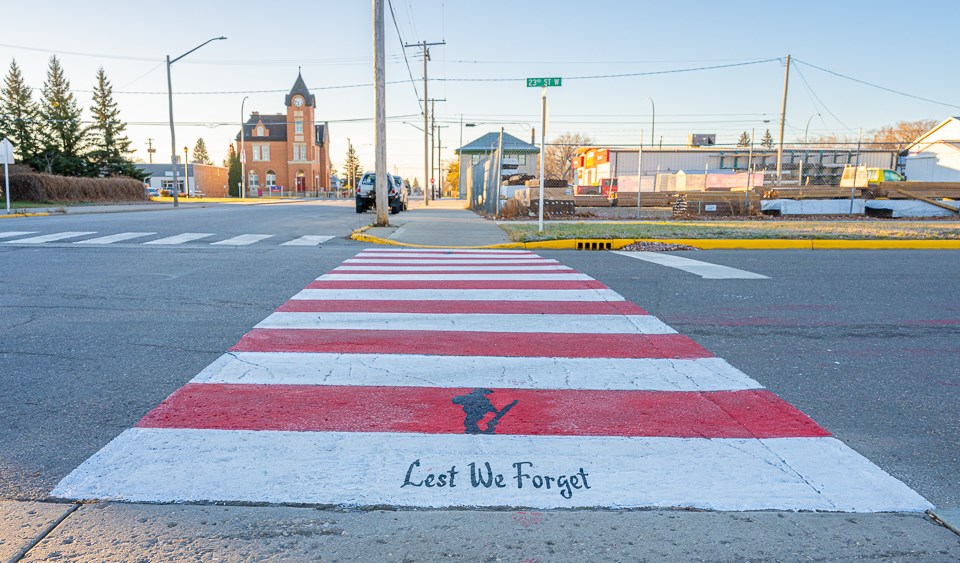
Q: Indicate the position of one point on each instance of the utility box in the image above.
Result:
(701, 139)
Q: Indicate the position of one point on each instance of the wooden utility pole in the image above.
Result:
(783, 119)
(380, 137)
(150, 150)
(425, 53)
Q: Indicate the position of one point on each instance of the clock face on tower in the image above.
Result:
(298, 101)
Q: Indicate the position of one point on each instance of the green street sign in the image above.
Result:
(543, 82)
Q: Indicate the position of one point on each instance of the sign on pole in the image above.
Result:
(6, 155)
(544, 82)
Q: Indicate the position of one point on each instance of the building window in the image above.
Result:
(521, 159)
(260, 131)
(168, 185)
(298, 126)
(256, 152)
(271, 179)
(475, 159)
(265, 150)
(299, 152)
(254, 179)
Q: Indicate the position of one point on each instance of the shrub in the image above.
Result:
(29, 186)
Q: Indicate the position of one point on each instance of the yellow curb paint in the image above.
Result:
(13, 215)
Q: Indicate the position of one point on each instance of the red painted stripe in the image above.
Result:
(441, 252)
(455, 343)
(430, 410)
(464, 307)
(436, 262)
(458, 284)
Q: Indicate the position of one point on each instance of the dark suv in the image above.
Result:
(367, 193)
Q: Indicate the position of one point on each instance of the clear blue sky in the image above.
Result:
(907, 46)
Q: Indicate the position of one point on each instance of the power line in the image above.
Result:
(810, 89)
(405, 60)
(872, 85)
(621, 75)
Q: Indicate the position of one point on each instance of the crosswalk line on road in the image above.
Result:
(180, 239)
(580, 324)
(13, 234)
(456, 276)
(40, 239)
(703, 269)
(450, 268)
(641, 374)
(308, 240)
(242, 240)
(110, 239)
(446, 404)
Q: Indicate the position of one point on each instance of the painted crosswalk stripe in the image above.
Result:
(40, 239)
(110, 239)
(639, 374)
(450, 343)
(242, 240)
(371, 469)
(464, 276)
(410, 392)
(475, 294)
(180, 239)
(479, 322)
(452, 261)
(308, 240)
(703, 269)
(463, 307)
(444, 252)
(385, 269)
(12, 234)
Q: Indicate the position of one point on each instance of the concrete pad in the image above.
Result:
(950, 517)
(115, 532)
(444, 223)
(21, 522)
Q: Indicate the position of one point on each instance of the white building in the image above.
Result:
(935, 155)
(519, 153)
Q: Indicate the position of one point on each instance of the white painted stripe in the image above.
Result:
(400, 269)
(180, 239)
(366, 469)
(242, 240)
(565, 324)
(495, 372)
(703, 269)
(12, 234)
(461, 294)
(431, 251)
(110, 239)
(451, 261)
(50, 238)
(308, 240)
(454, 277)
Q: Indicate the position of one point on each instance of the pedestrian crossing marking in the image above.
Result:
(13, 234)
(110, 239)
(337, 398)
(308, 240)
(242, 240)
(40, 239)
(180, 239)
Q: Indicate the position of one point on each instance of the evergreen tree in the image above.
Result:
(110, 147)
(200, 155)
(767, 140)
(352, 169)
(744, 140)
(234, 171)
(64, 138)
(18, 115)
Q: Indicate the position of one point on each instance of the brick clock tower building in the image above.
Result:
(287, 152)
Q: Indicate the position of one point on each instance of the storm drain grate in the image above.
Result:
(593, 245)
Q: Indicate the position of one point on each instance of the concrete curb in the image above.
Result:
(703, 244)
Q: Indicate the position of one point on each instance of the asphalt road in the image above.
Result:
(92, 338)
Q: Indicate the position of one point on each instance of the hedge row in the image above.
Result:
(49, 188)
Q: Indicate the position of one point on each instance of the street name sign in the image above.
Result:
(543, 82)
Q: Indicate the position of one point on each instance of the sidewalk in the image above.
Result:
(444, 222)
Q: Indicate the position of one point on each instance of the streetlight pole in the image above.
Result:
(243, 152)
(186, 175)
(653, 121)
(807, 129)
(173, 136)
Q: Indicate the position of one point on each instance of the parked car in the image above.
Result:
(152, 192)
(367, 197)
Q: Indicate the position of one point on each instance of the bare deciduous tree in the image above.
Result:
(559, 153)
(903, 132)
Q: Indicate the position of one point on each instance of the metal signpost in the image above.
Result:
(543, 84)
(6, 155)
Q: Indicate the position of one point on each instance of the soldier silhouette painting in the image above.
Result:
(477, 406)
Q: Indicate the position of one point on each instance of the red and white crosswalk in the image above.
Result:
(444, 378)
